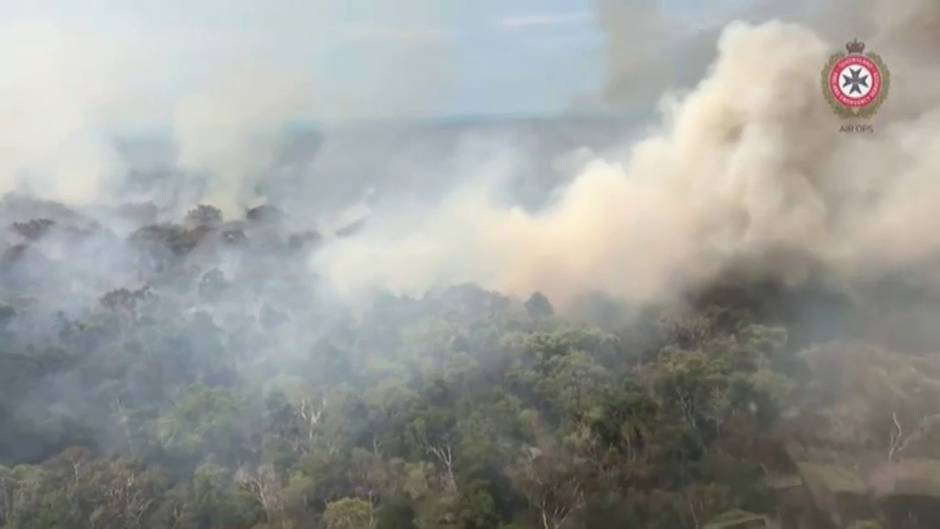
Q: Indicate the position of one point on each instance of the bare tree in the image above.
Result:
(311, 412)
(899, 441)
(445, 456)
(551, 484)
(263, 483)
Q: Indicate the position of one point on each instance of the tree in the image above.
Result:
(694, 386)
(33, 229)
(123, 493)
(205, 421)
(8, 484)
(431, 433)
(204, 215)
(476, 509)
(538, 306)
(349, 513)
(395, 513)
(552, 481)
(263, 484)
(7, 313)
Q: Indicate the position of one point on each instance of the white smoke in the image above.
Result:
(224, 79)
(52, 99)
(750, 165)
(231, 132)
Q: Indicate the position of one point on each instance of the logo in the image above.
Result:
(855, 84)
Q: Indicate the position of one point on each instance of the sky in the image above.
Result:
(530, 57)
(360, 58)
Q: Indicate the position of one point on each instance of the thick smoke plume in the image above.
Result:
(51, 101)
(749, 167)
(225, 82)
(232, 133)
(184, 310)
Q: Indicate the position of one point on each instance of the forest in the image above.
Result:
(469, 264)
(186, 375)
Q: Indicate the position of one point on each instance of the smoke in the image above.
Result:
(232, 132)
(747, 172)
(750, 167)
(648, 50)
(51, 99)
(224, 80)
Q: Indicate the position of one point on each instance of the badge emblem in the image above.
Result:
(855, 84)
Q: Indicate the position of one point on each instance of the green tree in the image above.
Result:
(349, 513)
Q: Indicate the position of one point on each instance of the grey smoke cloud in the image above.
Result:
(224, 78)
(748, 167)
(639, 62)
(651, 50)
(50, 100)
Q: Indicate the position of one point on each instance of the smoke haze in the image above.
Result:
(255, 273)
(746, 166)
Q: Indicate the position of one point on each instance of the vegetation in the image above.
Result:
(218, 392)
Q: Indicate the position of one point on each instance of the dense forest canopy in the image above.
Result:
(217, 390)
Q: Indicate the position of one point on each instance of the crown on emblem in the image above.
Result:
(855, 46)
